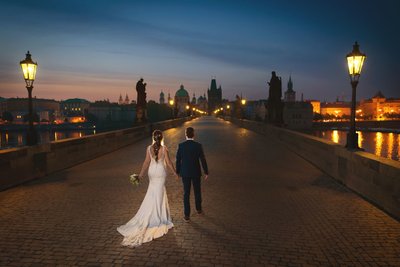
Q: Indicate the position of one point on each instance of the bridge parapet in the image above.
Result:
(376, 179)
(18, 165)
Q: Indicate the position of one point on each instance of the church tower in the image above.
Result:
(290, 95)
(214, 96)
(194, 99)
(162, 100)
(120, 100)
(126, 102)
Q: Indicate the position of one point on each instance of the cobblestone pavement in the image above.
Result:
(263, 205)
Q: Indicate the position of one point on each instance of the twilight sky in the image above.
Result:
(97, 49)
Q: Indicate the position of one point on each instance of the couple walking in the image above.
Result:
(153, 218)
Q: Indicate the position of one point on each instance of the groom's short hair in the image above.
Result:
(189, 132)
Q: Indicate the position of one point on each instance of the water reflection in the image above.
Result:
(378, 143)
(381, 144)
(360, 138)
(335, 136)
(17, 138)
(390, 145)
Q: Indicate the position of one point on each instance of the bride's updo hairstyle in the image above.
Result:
(157, 138)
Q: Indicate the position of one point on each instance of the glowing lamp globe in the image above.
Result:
(29, 69)
(355, 61)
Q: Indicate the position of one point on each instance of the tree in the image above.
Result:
(7, 116)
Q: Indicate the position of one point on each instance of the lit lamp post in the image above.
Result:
(243, 102)
(29, 70)
(355, 62)
(171, 103)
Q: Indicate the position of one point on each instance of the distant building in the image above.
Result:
(379, 107)
(290, 95)
(121, 101)
(214, 96)
(104, 111)
(336, 109)
(169, 99)
(74, 107)
(162, 99)
(126, 102)
(298, 115)
(47, 109)
(202, 103)
(253, 110)
(316, 104)
(181, 101)
(193, 103)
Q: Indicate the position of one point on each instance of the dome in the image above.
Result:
(182, 92)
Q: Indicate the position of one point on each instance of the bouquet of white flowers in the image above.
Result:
(134, 179)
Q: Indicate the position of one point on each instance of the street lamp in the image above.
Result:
(243, 101)
(355, 61)
(29, 70)
(171, 103)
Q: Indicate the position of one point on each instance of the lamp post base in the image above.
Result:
(352, 141)
(31, 137)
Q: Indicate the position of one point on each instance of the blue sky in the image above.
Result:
(99, 49)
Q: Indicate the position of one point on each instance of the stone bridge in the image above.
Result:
(264, 206)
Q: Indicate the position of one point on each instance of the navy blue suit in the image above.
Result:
(188, 158)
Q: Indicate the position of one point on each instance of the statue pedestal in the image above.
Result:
(141, 115)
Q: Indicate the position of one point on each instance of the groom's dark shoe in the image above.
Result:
(186, 219)
(200, 212)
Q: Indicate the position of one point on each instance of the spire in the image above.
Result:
(213, 85)
(290, 84)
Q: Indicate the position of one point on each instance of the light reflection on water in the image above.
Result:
(18, 138)
(385, 145)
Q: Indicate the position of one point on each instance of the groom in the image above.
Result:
(188, 158)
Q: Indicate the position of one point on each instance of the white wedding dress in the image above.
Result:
(153, 218)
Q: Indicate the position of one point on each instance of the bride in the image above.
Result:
(153, 218)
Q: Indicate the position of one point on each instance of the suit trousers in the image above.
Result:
(187, 182)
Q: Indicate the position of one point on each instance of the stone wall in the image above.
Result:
(18, 165)
(376, 179)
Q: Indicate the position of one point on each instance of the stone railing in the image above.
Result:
(376, 179)
(18, 165)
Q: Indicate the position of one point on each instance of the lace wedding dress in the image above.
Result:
(153, 218)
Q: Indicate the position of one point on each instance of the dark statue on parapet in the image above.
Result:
(238, 107)
(141, 93)
(274, 104)
(141, 114)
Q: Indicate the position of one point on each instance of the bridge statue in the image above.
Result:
(141, 112)
(274, 104)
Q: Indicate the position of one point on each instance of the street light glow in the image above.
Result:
(29, 69)
(355, 61)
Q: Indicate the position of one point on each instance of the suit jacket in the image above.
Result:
(188, 158)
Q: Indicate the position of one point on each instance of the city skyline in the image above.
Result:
(97, 50)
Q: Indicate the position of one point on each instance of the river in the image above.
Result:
(381, 144)
(11, 139)
(385, 145)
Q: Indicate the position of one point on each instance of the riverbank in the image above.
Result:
(366, 126)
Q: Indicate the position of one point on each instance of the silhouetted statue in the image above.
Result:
(141, 93)
(275, 106)
(141, 101)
